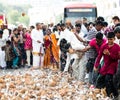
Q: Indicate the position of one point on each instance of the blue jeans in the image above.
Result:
(89, 66)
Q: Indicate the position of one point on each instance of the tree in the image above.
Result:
(14, 16)
(1, 8)
(13, 13)
(24, 19)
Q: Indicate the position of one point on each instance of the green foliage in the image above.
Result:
(14, 13)
(24, 19)
(1, 8)
(14, 16)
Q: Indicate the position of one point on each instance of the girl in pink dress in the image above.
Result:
(28, 46)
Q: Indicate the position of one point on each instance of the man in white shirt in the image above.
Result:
(65, 33)
(79, 57)
(64, 55)
(37, 43)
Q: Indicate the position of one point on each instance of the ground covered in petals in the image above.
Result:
(46, 84)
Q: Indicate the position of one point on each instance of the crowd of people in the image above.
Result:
(84, 49)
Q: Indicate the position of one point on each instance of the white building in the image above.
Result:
(108, 8)
(44, 11)
(15, 2)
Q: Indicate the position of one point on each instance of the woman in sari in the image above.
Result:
(51, 57)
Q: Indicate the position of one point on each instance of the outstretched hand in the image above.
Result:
(106, 52)
(84, 50)
(71, 50)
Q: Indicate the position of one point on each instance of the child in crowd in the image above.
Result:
(9, 54)
(110, 52)
(28, 46)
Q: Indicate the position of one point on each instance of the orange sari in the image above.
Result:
(51, 50)
(55, 47)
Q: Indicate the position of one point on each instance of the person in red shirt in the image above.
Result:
(94, 45)
(110, 52)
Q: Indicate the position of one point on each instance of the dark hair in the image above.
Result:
(9, 31)
(86, 24)
(99, 36)
(54, 28)
(63, 41)
(1, 32)
(116, 18)
(42, 23)
(111, 35)
(100, 18)
(91, 23)
(99, 23)
(84, 18)
(64, 46)
(32, 27)
(58, 24)
(62, 25)
(15, 29)
(49, 30)
(8, 42)
(105, 24)
(37, 24)
(78, 25)
(117, 25)
(117, 29)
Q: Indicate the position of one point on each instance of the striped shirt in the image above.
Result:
(91, 34)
